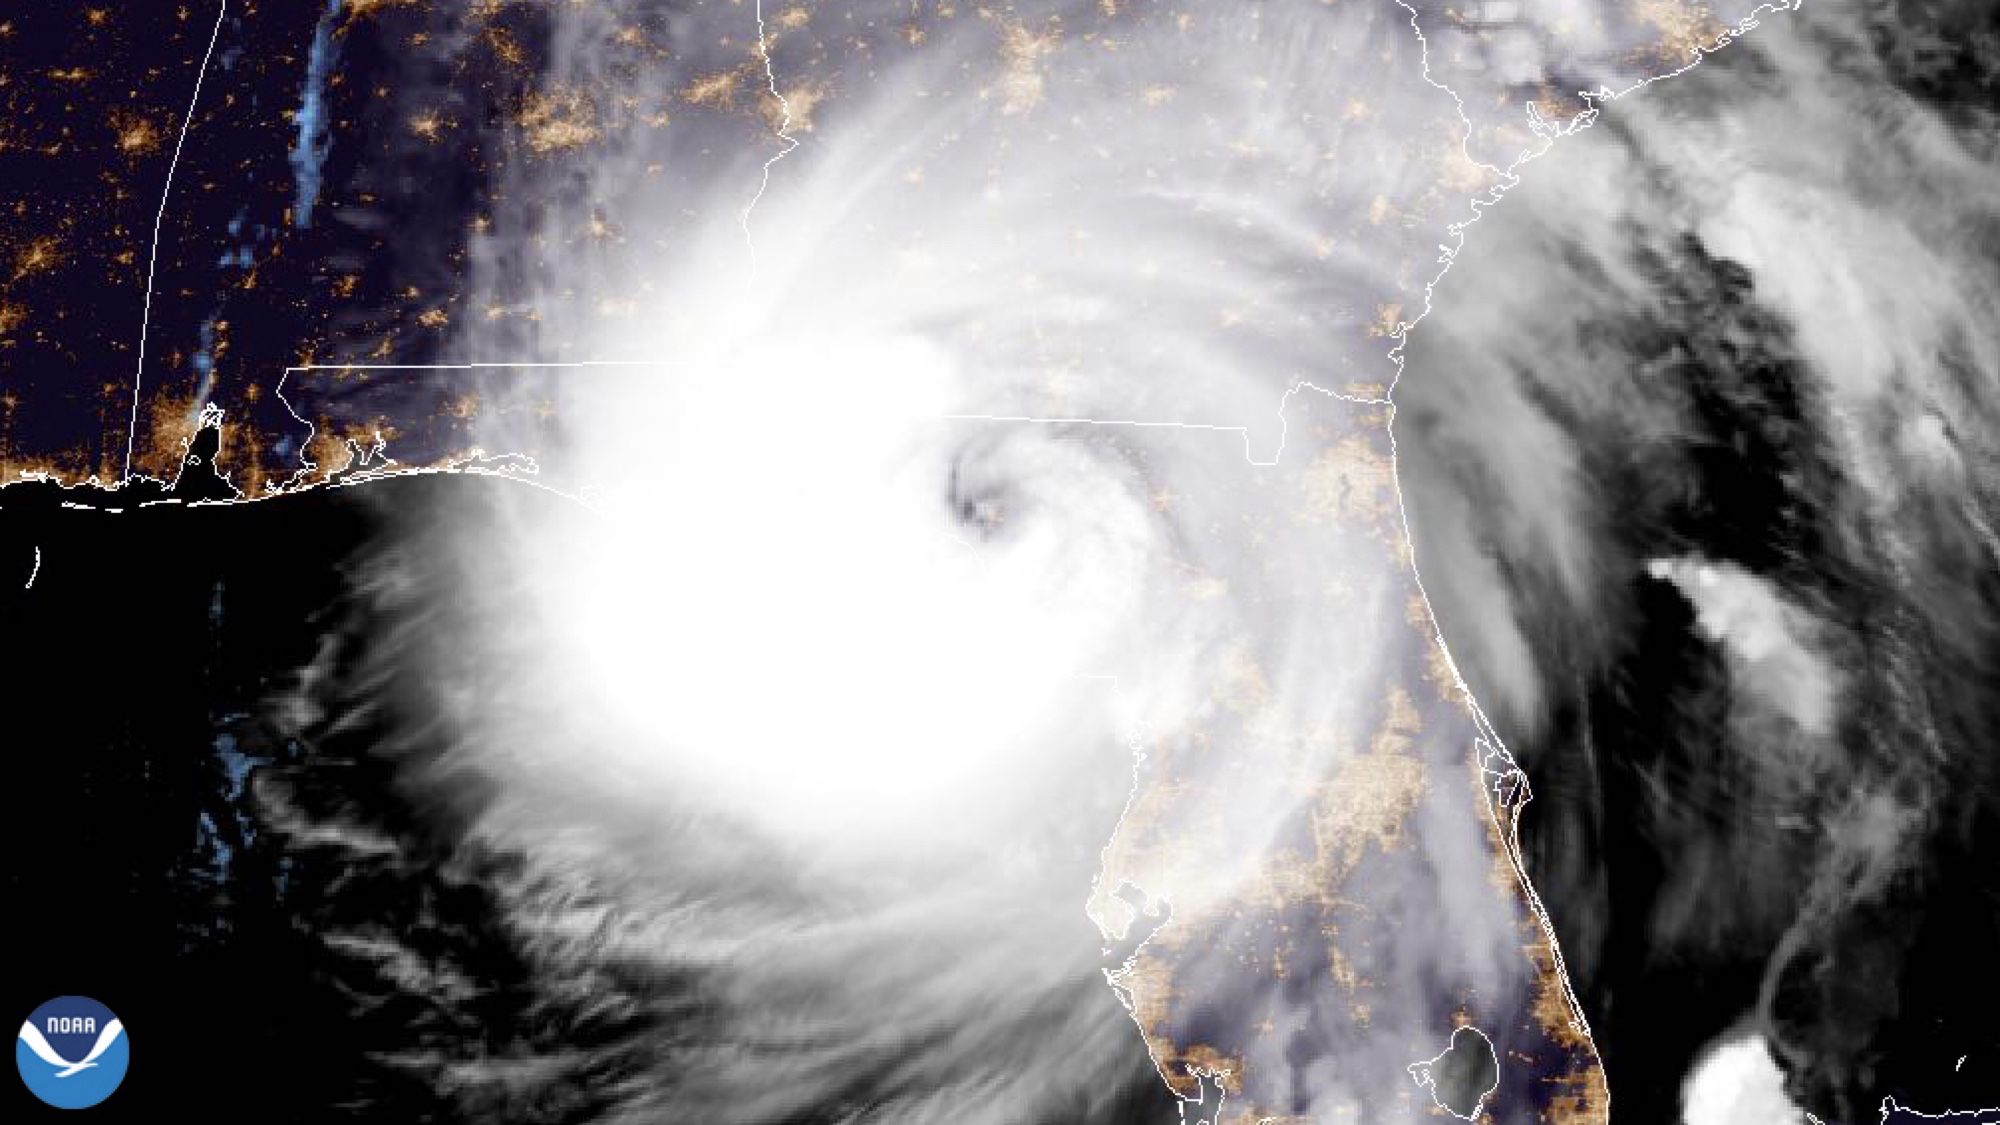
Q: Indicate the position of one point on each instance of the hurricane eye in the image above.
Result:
(978, 505)
(984, 515)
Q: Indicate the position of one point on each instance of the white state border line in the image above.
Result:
(1550, 132)
(1509, 177)
(307, 464)
(159, 217)
(783, 131)
(1508, 771)
(1244, 432)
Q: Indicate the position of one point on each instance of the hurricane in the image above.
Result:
(1110, 561)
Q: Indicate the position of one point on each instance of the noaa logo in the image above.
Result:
(72, 1052)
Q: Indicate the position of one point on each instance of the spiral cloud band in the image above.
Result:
(990, 662)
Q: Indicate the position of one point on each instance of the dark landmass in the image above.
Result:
(325, 194)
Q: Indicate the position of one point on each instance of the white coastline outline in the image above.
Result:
(1421, 1073)
(1510, 785)
(1509, 789)
(1891, 1105)
(159, 218)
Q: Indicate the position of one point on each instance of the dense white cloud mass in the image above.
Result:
(1034, 415)
(835, 600)
(1698, 454)
(1738, 1084)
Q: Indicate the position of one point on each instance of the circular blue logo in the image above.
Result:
(72, 1052)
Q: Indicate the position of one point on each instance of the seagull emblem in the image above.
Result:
(64, 1068)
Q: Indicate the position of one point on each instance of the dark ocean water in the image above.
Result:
(225, 840)
(235, 819)
(1701, 471)
(148, 647)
